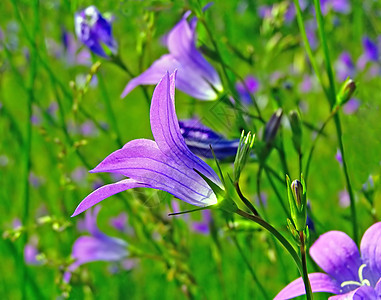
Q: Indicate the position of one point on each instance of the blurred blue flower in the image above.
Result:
(165, 164)
(97, 246)
(345, 66)
(203, 225)
(95, 31)
(195, 75)
(349, 275)
(339, 6)
(245, 89)
(371, 53)
(199, 138)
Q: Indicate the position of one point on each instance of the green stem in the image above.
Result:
(245, 200)
(303, 255)
(332, 100)
(248, 265)
(277, 235)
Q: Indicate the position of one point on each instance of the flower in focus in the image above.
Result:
(97, 246)
(199, 138)
(195, 76)
(349, 275)
(95, 31)
(165, 164)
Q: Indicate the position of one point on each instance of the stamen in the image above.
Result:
(362, 280)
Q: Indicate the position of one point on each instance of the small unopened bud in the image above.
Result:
(298, 203)
(245, 145)
(296, 128)
(346, 91)
(272, 126)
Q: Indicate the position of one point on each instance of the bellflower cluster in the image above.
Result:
(95, 32)
(349, 274)
(165, 164)
(196, 76)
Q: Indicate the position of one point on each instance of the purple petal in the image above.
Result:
(320, 282)
(166, 130)
(378, 288)
(361, 293)
(30, 255)
(166, 63)
(370, 49)
(371, 252)
(105, 192)
(337, 254)
(143, 161)
(351, 106)
(119, 222)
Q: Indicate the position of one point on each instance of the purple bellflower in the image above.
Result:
(97, 246)
(95, 31)
(165, 164)
(349, 275)
(199, 138)
(196, 76)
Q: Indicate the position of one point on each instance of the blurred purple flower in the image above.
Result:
(250, 86)
(344, 200)
(370, 54)
(261, 201)
(203, 225)
(306, 84)
(34, 180)
(119, 222)
(339, 157)
(345, 67)
(339, 6)
(199, 138)
(95, 31)
(165, 164)
(97, 246)
(311, 34)
(79, 175)
(30, 255)
(349, 275)
(88, 129)
(351, 106)
(196, 76)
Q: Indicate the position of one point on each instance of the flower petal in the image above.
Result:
(143, 161)
(320, 282)
(105, 192)
(361, 293)
(371, 253)
(337, 254)
(166, 63)
(181, 44)
(166, 131)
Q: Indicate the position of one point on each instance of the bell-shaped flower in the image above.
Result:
(95, 31)
(349, 275)
(97, 246)
(195, 76)
(165, 164)
(199, 138)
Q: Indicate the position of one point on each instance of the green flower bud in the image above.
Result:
(296, 128)
(245, 145)
(346, 91)
(298, 203)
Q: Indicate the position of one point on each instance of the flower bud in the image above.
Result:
(296, 128)
(298, 204)
(346, 92)
(245, 145)
(272, 127)
(95, 31)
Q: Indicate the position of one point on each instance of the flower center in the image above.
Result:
(362, 281)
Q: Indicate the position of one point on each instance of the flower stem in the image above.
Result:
(306, 281)
(332, 100)
(290, 249)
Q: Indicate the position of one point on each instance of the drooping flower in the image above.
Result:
(349, 275)
(195, 76)
(97, 246)
(95, 31)
(165, 164)
(199, 138)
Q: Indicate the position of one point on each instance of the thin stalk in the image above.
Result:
(332, 100)
(307, 284)
(245, 200)
(248, 265)
(277, 235)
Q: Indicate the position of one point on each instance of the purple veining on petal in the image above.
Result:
(166, 164)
